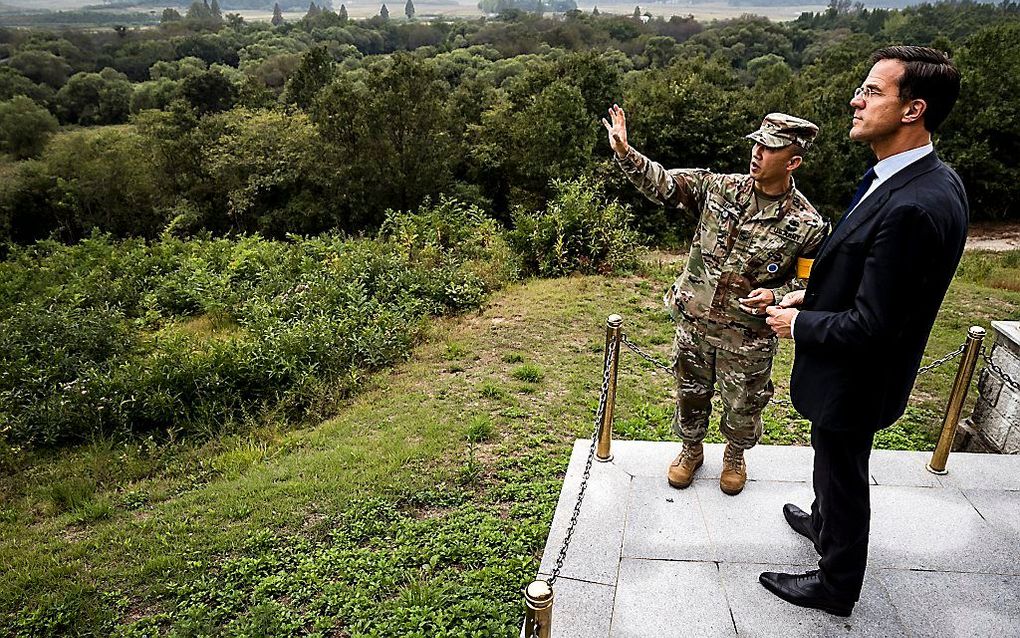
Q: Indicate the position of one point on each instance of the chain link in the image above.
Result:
(644, 355)
(999, 371)
(599, 415)
(670, 368)
(783, 402)
(938, 362)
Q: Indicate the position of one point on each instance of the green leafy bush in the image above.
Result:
(434, 233)
(107, 338)
(580, 231)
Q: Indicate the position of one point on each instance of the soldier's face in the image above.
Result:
(770, 164)
(878, 109)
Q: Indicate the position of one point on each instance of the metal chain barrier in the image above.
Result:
(922, 370)
(644, 355)
(669, 368)
(938, 362)
(599, 414)
(999, 371)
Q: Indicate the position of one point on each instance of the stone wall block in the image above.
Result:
(997, 411)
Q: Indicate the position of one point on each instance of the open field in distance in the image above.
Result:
(368, 8)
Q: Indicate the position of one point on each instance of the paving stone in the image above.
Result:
(969, 471)
(764, 462)
(750, 528)
(779, 463)
(670, 599)
(759, 613)
(594, 552)
(898, 467)
(644, 458)
(955, 605)
(936, 529)
(581, 609)
(1000, 509)
(665, 523)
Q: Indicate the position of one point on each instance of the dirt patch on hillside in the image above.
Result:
(996, 236)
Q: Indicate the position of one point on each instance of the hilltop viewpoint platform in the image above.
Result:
(647, 560)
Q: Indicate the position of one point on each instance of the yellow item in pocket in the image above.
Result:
(804, 267)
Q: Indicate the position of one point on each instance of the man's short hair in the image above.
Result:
(928, 75)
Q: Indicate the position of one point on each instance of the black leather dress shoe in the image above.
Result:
(806, 590)
(800, 521)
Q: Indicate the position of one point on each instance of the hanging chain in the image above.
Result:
(999, 371)
(599, 415)
(534, 630)
(938, 362)
(644, 355)
(670, 368)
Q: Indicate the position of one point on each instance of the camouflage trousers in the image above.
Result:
(745, 387)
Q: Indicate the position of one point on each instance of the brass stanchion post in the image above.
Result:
(613, 325)
(975, 336)
(538, 601)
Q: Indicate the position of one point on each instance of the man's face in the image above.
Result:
(769, 164)
(880, 114)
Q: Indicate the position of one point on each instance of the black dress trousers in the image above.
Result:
(841, 511)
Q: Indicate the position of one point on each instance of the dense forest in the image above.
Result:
(210, 124)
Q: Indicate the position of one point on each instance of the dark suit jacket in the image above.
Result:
(872, 297)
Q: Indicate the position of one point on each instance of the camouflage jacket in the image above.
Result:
(735, 249)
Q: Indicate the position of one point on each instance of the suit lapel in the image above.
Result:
(873, 203)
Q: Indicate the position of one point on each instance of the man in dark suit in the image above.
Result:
(861, 325)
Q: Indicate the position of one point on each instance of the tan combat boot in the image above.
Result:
(734, 471)
(681, 470)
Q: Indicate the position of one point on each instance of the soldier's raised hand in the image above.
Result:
(617, 130)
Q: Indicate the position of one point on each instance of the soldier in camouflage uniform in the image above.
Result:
(754, 231)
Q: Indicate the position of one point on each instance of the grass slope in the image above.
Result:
(420, 510)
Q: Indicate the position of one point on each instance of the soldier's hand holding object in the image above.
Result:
(792, 299)
(617, 130)
(780, 320)
(757, 301)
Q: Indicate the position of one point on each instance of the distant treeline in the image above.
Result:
(325, 123)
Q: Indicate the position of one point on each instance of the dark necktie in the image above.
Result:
(862, 188)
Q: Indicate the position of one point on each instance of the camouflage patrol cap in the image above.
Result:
(779, 130)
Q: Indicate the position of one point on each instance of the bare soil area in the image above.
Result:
(994, 236)
(997, 236)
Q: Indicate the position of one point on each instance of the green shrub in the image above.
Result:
(25, 127)
(106, 338)
(580, 231)
(70, 494)
(491, 390)
(479, 429)
(528, 372)
(452, 229)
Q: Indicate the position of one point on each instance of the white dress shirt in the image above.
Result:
(893, 164)
(884, 170)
